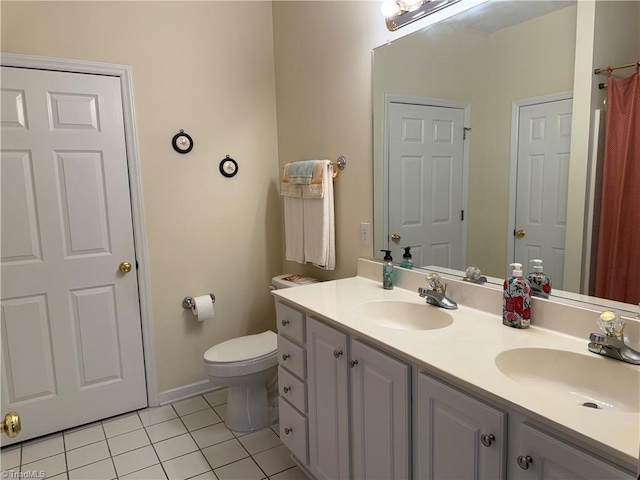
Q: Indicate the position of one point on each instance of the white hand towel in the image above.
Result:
(319, 226)
(293, 229)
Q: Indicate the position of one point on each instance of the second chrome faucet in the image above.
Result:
(436, 293)
(610, 342)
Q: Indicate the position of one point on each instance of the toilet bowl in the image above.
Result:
(248, 366)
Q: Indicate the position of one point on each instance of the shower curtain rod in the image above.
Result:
(600, 71)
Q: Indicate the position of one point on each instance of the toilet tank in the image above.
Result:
(288, 280)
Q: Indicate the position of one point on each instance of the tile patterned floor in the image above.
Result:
(184, 440)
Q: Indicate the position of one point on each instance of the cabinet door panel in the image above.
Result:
(328, 401)
(380, 414)
(450, 427)
(554, 459)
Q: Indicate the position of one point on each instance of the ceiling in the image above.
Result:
(495, 15)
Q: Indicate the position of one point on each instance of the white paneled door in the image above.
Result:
(544, 141)
(426, 155)
(71, 330)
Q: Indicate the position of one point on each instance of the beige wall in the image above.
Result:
(192, 69)
(323, 67)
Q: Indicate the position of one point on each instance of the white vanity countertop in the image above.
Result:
(466, 350)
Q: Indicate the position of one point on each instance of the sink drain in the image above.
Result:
(591, 405)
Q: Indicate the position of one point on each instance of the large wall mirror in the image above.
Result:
(463, 112)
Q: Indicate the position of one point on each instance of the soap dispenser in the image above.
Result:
(387, 270)
(516, 299)
(539, 281)
(407, 261)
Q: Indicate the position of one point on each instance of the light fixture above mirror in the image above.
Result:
(399, 13)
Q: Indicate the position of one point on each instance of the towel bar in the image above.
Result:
(341, 162)
(188, 304)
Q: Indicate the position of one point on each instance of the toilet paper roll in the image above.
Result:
(202, 307)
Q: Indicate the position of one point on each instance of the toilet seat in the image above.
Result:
(243, 355)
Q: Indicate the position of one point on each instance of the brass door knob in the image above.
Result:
(520, 233)
(11, 424)
(125, 267)
(396, 238)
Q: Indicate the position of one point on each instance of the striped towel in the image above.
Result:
(314, 188)
(300, 173)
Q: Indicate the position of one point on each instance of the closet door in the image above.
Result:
(71, 331)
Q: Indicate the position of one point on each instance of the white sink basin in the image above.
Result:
(403, 315)
(573, 377)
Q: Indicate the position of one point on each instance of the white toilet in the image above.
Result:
(248, 366)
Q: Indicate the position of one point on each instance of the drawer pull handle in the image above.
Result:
(286, 389)
(524, 462)
(487, 440)
(288, 430)
(285, 356)
(285, 323)
(337, 353)
(353, 363)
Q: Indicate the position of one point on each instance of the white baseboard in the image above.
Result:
(186, 391)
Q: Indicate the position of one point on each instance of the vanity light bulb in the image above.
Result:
(390, 8)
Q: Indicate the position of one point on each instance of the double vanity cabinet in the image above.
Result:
(353, 408)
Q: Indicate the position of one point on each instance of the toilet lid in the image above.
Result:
(242, 349)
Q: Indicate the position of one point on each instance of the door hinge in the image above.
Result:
(462, 215)
(464, 132)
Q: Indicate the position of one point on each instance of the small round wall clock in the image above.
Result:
(182, 142)
(228, 167)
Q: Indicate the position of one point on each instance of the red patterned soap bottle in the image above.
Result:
(516, 299)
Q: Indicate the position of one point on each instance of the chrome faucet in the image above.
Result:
(612, 344)
(435, 295)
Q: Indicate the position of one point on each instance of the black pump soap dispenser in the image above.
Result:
(407, 261)
(387, 270)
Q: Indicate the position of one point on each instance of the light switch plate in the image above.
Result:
(365, 233)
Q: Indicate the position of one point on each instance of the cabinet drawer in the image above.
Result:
(292, 389)
(290, 322)
(293, 431)
(292, 357)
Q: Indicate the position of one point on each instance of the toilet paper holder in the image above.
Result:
(188, 304)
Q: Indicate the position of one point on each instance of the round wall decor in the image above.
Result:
(228, 167)
(182, 142)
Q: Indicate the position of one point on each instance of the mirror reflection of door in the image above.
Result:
(426, 183)
(543, 144)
